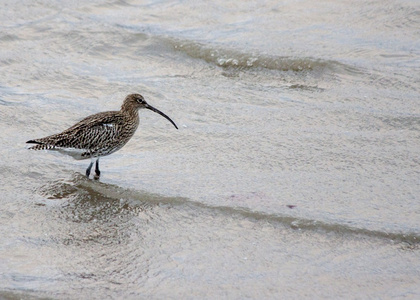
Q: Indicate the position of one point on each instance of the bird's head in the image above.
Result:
(137, 101)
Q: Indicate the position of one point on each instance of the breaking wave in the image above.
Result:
(80, 190)
(230, 58)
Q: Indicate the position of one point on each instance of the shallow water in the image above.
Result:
(294, 172)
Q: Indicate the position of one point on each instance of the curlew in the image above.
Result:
(98, 135)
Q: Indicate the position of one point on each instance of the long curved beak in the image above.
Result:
(160, 113)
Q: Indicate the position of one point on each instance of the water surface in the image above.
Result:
(294, 173)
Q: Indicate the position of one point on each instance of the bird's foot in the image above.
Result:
(97, 174)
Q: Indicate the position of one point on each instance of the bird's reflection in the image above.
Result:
(97, 212)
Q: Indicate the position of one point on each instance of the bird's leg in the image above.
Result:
(88, 169)
(97, 172)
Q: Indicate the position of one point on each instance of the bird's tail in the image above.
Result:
(40, 145)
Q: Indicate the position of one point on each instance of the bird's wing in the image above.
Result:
(94, 131)
(91, 131)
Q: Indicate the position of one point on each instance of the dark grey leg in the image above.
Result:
(97, 172)
(88, 169)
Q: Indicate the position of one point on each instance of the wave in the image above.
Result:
(222, 56)
(230, 58)
(116, 199)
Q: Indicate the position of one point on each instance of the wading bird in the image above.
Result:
(100, 134)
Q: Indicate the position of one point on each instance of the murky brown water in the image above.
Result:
(295, 172)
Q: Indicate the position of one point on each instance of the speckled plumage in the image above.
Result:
(100, 134)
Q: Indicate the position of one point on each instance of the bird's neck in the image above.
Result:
(131, 117)
(130, 110)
